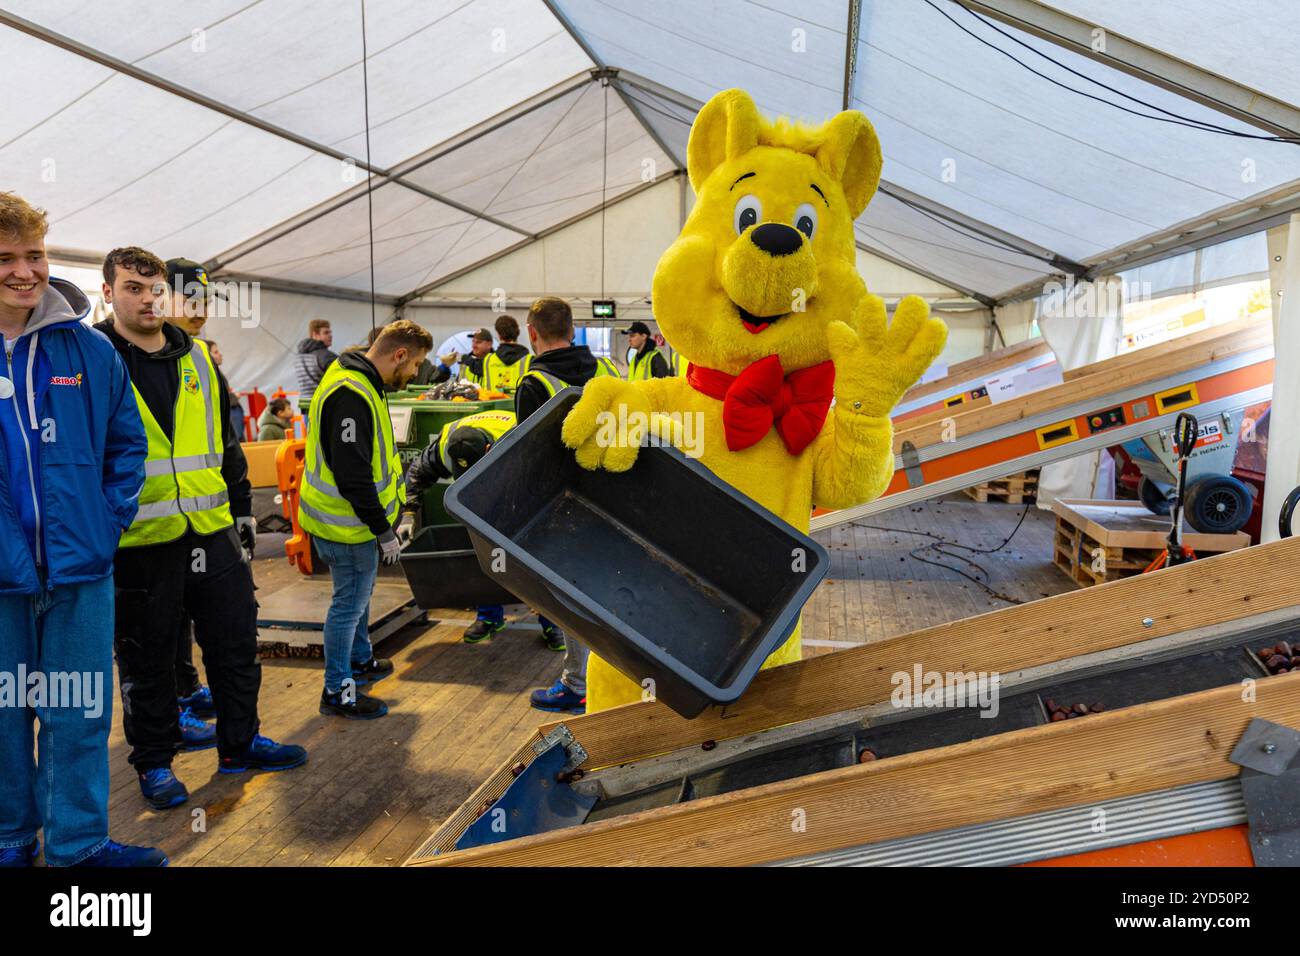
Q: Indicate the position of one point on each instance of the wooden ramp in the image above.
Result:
(1179, 741)
(1107, 403)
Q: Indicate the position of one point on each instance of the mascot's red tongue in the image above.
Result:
(755, 327)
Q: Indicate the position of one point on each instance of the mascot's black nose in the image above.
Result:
(776, 238)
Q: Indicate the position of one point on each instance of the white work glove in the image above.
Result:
(246, 527)
(389, 548)
(405, 528)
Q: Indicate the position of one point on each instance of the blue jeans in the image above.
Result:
(68, 633)
(353, 569)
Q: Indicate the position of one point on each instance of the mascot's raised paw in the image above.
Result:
(876, 360)
(607, 425)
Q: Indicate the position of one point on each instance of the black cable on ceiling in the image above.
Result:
(370, 203)
(1171, 117)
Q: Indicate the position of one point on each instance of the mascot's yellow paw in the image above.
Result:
(876, 360)
(607, 424)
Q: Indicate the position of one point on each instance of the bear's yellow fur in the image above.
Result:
(747, 171)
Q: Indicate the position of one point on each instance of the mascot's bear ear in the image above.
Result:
(850, 153)
(726, 127)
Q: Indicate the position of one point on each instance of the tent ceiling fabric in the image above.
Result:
(119, 159)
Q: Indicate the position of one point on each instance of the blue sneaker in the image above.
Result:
(265, 754)
(200, 702)
(20, 855)
(119, 854)
(196, 734)
(161, 789)
(558, 697)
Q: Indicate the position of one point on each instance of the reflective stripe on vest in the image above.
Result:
(553, 383)
(322, 510)
(183, 486)
(641, 366)
(493, 423)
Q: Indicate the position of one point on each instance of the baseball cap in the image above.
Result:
(465, 446)
(483, 335)
(189, 278)
(637, 326)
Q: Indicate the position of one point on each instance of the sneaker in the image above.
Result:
(373, 670)
(119, 854)
(364, 707)
(200, 702)
(161, 789)
(558, 697)
(552, 637)
(481, 630)
(265, 754)
(196, 734)
(20, 855)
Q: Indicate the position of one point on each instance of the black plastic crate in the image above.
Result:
(443, 571)
(664, 570)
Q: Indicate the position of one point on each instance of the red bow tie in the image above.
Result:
(763, 396)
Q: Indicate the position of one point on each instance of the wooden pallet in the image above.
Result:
(1100, 541)
(1013, 490)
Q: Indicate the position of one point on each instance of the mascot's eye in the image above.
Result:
(748, 212)
(805, 219)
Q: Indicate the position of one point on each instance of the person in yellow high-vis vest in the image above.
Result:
(480, 365)
(512, 359)
(453, 451)
(558, 364)
(181, 555)
(352, 492)
(646, 361)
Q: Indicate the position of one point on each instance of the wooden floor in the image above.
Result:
(373, 789)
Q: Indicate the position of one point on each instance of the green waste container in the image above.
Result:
(427, 420)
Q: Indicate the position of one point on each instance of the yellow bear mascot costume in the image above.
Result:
(761, 294)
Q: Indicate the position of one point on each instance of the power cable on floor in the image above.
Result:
(937, 546)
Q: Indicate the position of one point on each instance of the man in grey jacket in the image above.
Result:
(313, 358)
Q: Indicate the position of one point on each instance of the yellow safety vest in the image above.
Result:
(679, 364)
(640, 369)
(496, 373)
(322, 511)
(553, 383)
(183, 487)
(495, 422)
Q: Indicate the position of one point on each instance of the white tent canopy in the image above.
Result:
(1023, 139)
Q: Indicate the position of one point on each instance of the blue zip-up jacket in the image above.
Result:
(74, 448)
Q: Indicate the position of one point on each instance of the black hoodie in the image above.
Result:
(574, 365)
(157, 377)
(510, 352)
(350, 459)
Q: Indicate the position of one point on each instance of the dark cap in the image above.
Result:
(189, 278)
(637, 326)
(483, 335)
(465, 446)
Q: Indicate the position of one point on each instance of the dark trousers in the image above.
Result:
(203, 578)
(187, 675)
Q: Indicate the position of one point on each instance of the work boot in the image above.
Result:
(481, 630)
(263, 753)
(372, 671)
(200, 702)
(552, 637)
(196, 734)
(161, 789)
(14, 856)
(557, 697)
(120, 854)
(364, 707)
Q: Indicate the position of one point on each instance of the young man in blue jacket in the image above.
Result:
(74, 450)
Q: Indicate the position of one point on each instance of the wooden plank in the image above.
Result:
(1128, 524)
(1220, 588)
(1096, 384)
(1150, 747)
(1225, 331)
(981, 366)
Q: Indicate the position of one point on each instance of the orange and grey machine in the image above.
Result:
(1058, 424)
